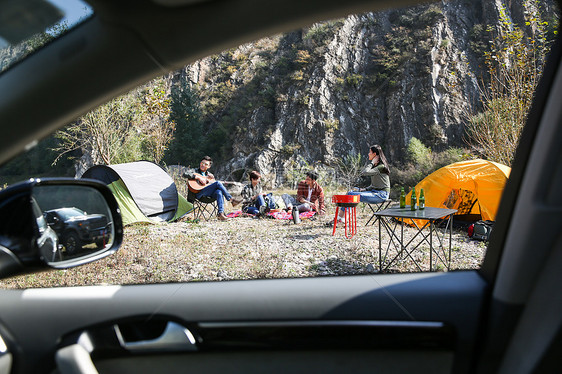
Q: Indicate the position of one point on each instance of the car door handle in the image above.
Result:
(76, 358)
(174, 338)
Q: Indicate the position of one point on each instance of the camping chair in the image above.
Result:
(377, 207)
(204, 208)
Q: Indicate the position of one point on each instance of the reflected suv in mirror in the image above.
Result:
(76, 228)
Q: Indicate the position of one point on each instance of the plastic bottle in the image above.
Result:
(421, 200)
(402, 198)
(413, 199)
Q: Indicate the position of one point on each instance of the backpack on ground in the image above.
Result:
(481, 230)
(270, 202)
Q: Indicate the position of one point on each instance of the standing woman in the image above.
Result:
(379, 189)
(252, 195)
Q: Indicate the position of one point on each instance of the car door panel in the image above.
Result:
(380, 305)
(321, 361)
(296, 346)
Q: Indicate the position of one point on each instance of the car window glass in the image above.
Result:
(434, 94)
(26, 26)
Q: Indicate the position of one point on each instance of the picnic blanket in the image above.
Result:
(277, 215)
(288, 215)
(237, 213)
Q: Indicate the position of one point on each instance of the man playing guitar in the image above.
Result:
(202, 183)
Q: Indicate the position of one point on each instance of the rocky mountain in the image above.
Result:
(335, 88)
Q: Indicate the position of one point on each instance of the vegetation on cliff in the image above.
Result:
(408, 79)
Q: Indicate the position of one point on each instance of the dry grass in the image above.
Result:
(244, 248)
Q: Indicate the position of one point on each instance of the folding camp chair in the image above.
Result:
(377, 207)
(204, 208)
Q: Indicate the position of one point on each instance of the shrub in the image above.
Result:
(431, 15)
(320, 33)
(422, 162)
(297, 75)
(417, 152)
(304, 100)
(289, 149)
(514, 64)
(303, 57)
(331, 125)
(354, 80)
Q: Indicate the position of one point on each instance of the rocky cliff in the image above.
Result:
(335, 88)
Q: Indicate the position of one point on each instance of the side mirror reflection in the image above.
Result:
(58, 223)
(73, 221)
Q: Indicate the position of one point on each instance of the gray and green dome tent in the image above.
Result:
(143, 190)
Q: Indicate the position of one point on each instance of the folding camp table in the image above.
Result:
(437, 220)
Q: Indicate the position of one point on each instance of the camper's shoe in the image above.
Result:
(331, 222)
(222, 217)
(262, 210)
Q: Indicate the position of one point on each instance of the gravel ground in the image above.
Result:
(249, 248)
(310, 249)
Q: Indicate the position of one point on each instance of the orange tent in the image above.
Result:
(473, 187)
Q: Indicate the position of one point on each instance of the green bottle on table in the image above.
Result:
(421, 200)
(402, 198)
(413, 199)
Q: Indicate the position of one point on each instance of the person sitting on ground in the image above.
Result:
(310, 195)
(379, 189)
(203, 184)
(253, 201)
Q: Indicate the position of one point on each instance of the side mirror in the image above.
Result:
(28, 243)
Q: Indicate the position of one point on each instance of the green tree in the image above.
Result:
(188, 144)
(514, 65)
(107, 133)
(155, 123)
(135, 126)
(418, 153)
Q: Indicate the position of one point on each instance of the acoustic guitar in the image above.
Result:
(194, 186)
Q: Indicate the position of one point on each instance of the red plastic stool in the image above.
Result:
(347, 202)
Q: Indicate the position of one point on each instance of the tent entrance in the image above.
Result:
(465, 201)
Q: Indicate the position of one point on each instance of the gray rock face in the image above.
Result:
(319, 94)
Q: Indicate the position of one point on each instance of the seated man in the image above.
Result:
(203, 184)
(253, 198)
(310, 195)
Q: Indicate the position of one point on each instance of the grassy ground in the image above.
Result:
(246, 248)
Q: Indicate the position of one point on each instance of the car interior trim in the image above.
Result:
(496, 247)
(537, 220)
